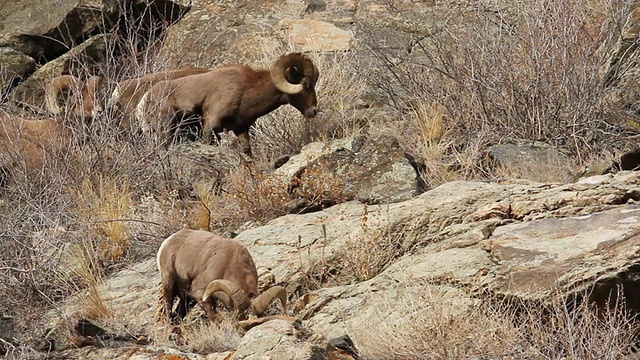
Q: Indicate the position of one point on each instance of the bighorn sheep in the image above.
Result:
(231, 97)
(28, 144)
(201, 266)
(82, 98)
(127, 94)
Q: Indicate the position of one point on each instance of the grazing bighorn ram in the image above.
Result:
(127, 94)
(201, 266)
(231, 97)
(82, 97)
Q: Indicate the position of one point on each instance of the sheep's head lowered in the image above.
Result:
(201, 266)
(295, 75)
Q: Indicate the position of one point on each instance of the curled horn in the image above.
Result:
(236, 294)
(55, 87)
(309, 72)
(262, 302)
(90, 94)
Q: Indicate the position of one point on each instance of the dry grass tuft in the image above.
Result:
(368, 252)
(429, 328)
(84, 260)
(106, 203)
(206, 337)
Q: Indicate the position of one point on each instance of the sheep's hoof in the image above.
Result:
(175, 334)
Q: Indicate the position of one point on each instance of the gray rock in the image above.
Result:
(531, 160)
(280, 339)
(561, 256)
(372, 170)
(14, 65)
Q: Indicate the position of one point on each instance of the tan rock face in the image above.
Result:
(314, 35)
(539, 256)
(280, 339)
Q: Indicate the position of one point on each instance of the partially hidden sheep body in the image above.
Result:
(201, 266)
(82, 98)
(230, 98)
(127, 94)
(27, 145)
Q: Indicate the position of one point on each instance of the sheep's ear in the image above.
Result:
(293, 74)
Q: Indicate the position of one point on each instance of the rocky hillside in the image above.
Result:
(466, 192)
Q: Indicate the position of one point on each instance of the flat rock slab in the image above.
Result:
(538, 257)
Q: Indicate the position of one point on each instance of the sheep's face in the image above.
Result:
(89, 106)
(306, 102)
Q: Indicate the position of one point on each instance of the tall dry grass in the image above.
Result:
(527, 70)
(428, 327)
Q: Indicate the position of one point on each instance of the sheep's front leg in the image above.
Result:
(168, 295)
(183, 306)
(243, 137)
(211, 129)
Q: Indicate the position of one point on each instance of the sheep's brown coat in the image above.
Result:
(190, 261)
(128, 93)
(231, 97)
(27, 145)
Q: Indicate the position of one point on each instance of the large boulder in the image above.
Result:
(215, 33)
(44, 30)
(373, 170)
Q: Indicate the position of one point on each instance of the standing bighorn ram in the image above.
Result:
(201, 266)
(231, 97)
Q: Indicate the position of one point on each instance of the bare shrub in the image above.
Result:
(247, 194)
(84, 214)
(529, 71)
(320, 186)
